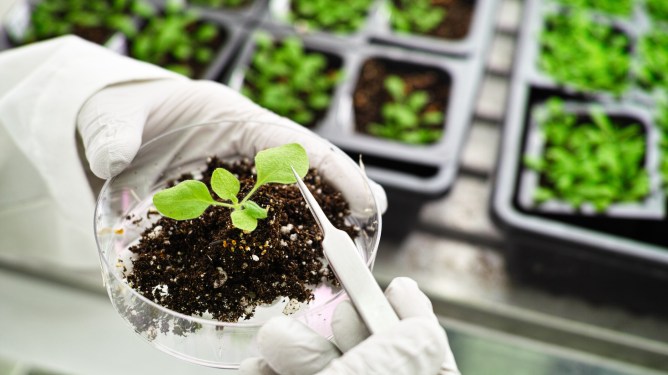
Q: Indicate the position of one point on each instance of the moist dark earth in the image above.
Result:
(205, 265)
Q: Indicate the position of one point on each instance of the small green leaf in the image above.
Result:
(433, 118)
(395, 86)
(417, 100)
(187, 200)
(244, 220)
(255, 210)
(225, 184)
(273, 165)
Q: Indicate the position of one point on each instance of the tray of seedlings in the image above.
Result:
(580, 188)
(191, 40)
(403, 104)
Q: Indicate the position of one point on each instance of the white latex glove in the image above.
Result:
(418, 345)
(118, 119)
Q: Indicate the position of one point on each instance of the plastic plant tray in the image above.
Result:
(624, 242)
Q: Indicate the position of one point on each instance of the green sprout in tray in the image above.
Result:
(583, 54)
(653, 55)
(407, 117)
(612, 7)
(657, 9)
(415, 16)
(177, 40)
(289, 80)
(330, 15)
(661, 121)
(95, 20)
(232, 4)
(589, 159)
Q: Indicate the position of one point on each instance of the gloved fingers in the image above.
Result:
(255, 366)
(405, 297)
(414, 346)
(347, 327)
(379, 192)
(291, 348)
(408, 300)
(111, 129)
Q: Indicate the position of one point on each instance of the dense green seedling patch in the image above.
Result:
(613, 7)
(415, 16)
(329, 15)
(408, 117)
(657, 9)
(589, 56)
(589, 159)
(661, 121)
(653, 60)
(94, 20)
(233, 4)
(177, 40)
(289, 80)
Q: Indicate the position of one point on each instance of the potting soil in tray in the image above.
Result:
(205, 266)
(370, 94)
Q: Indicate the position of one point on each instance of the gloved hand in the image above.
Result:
(417, 345)
(115, 122)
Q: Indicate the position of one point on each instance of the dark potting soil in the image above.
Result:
(370, 94)
(457, 21)
(99, 35)
(205, 265)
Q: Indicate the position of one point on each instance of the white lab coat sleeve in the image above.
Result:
(46, 204)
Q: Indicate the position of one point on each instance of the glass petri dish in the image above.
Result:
(127, 196)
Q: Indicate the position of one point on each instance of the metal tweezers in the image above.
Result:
(349, 267)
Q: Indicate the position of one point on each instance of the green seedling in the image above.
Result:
(336, 16)
(286, 79)
(657, 9)
(583, 54)
(407, 117)
(415, 16)
(589, 160)
(86, 18)
(661, 121)
(189, 199)
(616, 7)
(653, 53)
(221, 3)
(176, 40)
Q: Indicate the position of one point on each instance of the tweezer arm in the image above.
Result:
(350, 269)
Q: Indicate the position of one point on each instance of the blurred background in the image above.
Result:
(520, 142)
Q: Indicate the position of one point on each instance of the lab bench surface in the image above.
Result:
(56, 323)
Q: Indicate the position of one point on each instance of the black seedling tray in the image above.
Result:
(601, 257)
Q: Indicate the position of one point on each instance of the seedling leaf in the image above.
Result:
(187, 200)
(244, 220)
(274, 164)
(190, 198)
(225, 184)
(255, 210)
